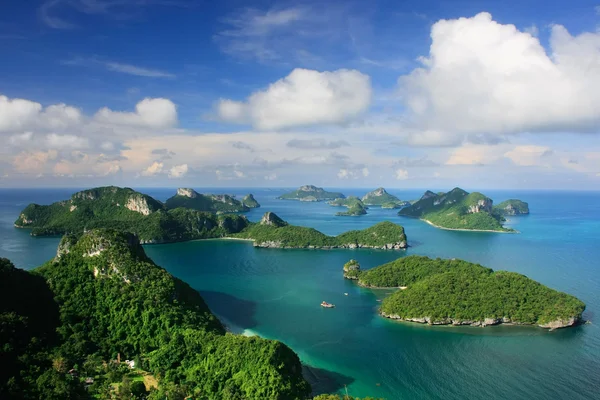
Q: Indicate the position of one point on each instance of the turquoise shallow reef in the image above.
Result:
(276, 294)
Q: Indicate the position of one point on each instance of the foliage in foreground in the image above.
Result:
(112, 299)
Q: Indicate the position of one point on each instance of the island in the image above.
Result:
(218, 203)
(354, 204)
(249, 201)
(311, 193)
(273, 232)
(126, 210)
(457, 292)
(512, 207)
(72, 323)
(380, 197)
(457, 210)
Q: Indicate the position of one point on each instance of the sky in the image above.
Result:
(411, 94)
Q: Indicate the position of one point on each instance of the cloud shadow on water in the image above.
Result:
(238, 311)
(325, 381)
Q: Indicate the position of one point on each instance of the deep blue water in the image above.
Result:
(276, 294)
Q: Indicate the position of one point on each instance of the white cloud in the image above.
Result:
(528, 155)
(401, 174)
(137, 71)
(178, 171)
(20, 139)
(271, 177)
(304, 97)
(154, 113)
(155, 168)
(353, 173)
(58, 142)
(20, 114)
(485, 77)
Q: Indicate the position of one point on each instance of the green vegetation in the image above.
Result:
(346, 202)
(342, 397)
(218, 203)
(404, 271)
(109, 299)
(379, 197)
(126, 210)
(458, 292)
(457, 209)
(512, 207)
(311, 193)
(267, 233)
(356, 209)
(352, 269)
(249, 201)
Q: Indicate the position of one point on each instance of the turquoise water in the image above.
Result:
(276, 294)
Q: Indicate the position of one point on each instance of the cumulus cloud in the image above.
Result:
(153, 113)
(21, 114)
(353, 173)
(311, 144)
(178, 171)
(155, 168)
(55, 141)
(304, 97)
(485, 77)
(401, 174)
(528, 155)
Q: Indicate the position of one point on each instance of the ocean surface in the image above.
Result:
(276, 294)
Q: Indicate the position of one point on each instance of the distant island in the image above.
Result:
(380, 197)
(69, 326)
(354, 204)
(512, 207)
(131, 211)
(274, 232)
(456, 292)
(218, 203)
(458, 210)
(377, 197)
(311, 193)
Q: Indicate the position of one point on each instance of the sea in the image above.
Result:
(276, 294)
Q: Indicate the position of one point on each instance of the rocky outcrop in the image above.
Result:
(310, 188)
(375, 193)
(352, 269)
(187, 192)
(560, 323)
(24, 220)
(250, 202)
(64, 247)
(270, 218)
(427, 195)
(139, 204)
(482, 205)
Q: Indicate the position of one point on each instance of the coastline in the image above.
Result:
(466, 230)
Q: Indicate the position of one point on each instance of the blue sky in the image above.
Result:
(350, 93)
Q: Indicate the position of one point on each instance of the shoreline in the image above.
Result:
(466, 230)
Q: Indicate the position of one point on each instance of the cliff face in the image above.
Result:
(138, 203)
(250, 202)
(483, 205)
(270, 218)
(187, 192)
(557, 324)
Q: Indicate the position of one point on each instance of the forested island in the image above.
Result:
(512, 207)
(354, 204)
(127, 210)
(457, 210)
(68, 326)
(272, 231)
(456, 292)
(311, 193)
(380, 197)
(218, 203)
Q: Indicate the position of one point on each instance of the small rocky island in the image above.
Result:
(512, 207)
(311, 193)
(273, 232)
(456, 292)
(219, 203)
(380, 197)
(461, 210)
(354, 204)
